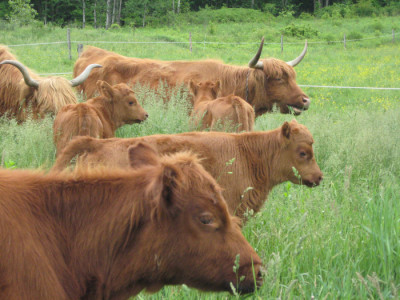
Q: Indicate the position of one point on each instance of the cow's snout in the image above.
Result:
(306, 103)
(146, 115)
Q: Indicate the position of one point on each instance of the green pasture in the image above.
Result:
(338, 240)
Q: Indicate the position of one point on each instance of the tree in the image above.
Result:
(83, 14)
(22, 12)
(108, 14)
(113, 13)
(95, 14)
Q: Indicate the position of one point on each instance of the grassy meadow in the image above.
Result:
(338, 240)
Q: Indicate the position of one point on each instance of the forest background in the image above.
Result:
(134, 13)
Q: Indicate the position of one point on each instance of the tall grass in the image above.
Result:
(338, 240)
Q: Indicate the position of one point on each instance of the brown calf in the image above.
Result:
(231, 112)
(258, 160)
(108, 234)
(99, 117)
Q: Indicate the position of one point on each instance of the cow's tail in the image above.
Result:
(76, 147)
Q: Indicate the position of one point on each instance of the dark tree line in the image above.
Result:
(104, 13)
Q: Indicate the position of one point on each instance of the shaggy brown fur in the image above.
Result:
(276, 84)
(261, 159)
(99, 117)
(16, 97)
(108, 234)
(227, 113)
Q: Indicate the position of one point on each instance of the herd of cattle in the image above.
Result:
(140, 213)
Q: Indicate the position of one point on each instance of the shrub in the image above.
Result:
(22, 12)
(354, 35)
(115, 26)
(211, 28)
(364, 8)
(300, 31)
(377, 26)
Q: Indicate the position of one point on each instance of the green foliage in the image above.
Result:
(354, 35)
(270, 8)
(300, 31)
(115, 26)
(21, 12)
(335, 11)
(364, 8)
(377, 26)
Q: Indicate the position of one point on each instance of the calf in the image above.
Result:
(99, 234)
(248, 165)
(230, 111)
(99, 117)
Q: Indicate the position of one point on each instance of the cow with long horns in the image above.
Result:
(21, 89)
(263, 83)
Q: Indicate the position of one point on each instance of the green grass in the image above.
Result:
(339, 240)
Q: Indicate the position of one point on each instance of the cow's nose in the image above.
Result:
(319, 179)
(146, 116)
(306, 102)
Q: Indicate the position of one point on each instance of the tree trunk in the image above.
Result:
(83, 13)
(108, 14)
(94, 14)
(113, 13)
(144, 14)
(119, 13)
(173, 6)
(252, 3)
(326, 3)
(45, 12)
(179, 6)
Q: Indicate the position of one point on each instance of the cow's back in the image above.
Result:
(77, 120)
(26, 235)
(223, 156)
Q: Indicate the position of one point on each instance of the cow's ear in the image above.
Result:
(217, 87)
(142, 154)
(286, 130)
(169, 202)
(192, 86)
(105, 89)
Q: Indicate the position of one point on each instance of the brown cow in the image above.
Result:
(99, 117)
(264, 83)
(21, 89)
(258, 161)
(108, 234)
(230, 112)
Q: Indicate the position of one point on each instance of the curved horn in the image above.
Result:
(297, 60)
(28, 79)
(254, 63)
(84, 75)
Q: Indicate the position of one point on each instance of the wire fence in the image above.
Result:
(203, 42)
(190, 42)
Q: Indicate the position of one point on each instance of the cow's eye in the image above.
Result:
(131, 103)
(302, 154)
(206, 219)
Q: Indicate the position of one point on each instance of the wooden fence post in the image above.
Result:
(281, 43)
(344, 40)
(80, 49)
(190, 41)
(69, 42)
